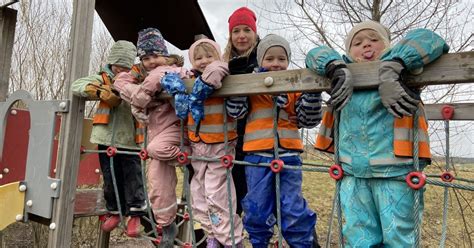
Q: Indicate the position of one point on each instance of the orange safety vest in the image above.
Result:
(402, 137)
(102, 115)
(259, 129)
(211, 130)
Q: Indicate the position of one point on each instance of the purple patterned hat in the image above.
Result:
(150, 41)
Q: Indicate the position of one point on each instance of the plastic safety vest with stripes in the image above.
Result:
(402, 141)
(259, 135)
(212, 126)
(102, 115)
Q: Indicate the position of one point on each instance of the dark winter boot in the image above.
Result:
(315, 240)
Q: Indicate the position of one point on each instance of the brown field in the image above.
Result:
(318, 189)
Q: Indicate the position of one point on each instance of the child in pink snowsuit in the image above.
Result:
(139, 87)
(210, 198)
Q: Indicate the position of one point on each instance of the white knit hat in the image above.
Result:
(372, 25)
(272, 40)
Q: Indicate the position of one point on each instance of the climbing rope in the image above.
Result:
(336, 205)
(418, 193)
(443, 180)
(446, 190)
(228, 176)
(277, 175)
(187, 188)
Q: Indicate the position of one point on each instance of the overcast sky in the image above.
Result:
(217, 13)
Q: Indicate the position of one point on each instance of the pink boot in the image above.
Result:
(111, 222)
(133, 226)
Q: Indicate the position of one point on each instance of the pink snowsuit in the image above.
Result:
(163, 136)
(210, 199)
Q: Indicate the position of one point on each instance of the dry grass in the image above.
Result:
(318, 189)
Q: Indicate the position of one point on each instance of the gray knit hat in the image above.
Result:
(369, 24)
(122, 54)
(272, 40)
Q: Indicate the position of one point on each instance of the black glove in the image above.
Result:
(341, 84)
(241, 65)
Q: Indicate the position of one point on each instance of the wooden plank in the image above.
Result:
(7, 35)
(89, 202)
(462, 111)
(449, 69)
(71, 130)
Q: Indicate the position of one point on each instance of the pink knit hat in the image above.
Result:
(193, 48)
(243, 16)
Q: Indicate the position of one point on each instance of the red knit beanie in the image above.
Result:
(243, 16)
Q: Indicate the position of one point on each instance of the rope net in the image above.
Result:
(416, 181)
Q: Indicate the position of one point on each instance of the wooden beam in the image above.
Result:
(449, 69)
(7, 35)
(71, 127)
(462, 111)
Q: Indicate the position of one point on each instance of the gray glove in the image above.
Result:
(396, 97)
(341, 84)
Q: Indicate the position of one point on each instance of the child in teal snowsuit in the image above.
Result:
(375, 132)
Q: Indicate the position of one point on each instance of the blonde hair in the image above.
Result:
(230, 52)
(175, 59)
(208, 49)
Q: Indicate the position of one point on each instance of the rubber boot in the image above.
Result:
(110, 223)
(133, 226)
(315, 240)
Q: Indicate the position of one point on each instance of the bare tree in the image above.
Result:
(41, 48)
(39, 63)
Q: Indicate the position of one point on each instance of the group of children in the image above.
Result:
(376, 210)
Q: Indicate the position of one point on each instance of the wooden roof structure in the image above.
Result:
(178, 20)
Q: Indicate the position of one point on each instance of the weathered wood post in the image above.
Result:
(7, 35)
(71, 127)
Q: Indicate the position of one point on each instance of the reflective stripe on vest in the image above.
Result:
(402, 137)
(139, 132)
(102, 114)
(211, 130)
(103, 111)
(420, 50)
(259, 130)
(324, 139)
